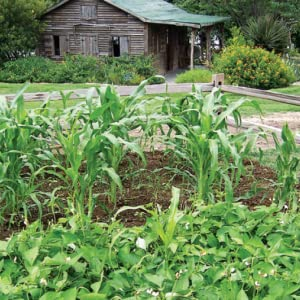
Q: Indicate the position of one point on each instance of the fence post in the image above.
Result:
(218, 79)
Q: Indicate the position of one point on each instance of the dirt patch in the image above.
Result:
(276, 120)
(148, 185)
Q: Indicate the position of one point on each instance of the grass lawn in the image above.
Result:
(12, 88)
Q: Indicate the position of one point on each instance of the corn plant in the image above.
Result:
(198, 134)
(96, 134)
(286, 167)
(23, 137)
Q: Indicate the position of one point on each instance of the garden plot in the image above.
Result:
(94, 213)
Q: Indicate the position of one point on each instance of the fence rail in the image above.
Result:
(279, 97)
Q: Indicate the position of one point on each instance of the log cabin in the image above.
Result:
(117, 27)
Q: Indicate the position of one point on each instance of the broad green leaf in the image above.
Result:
(31, 255)
(93, 296)
(242, 295)
(156, 279)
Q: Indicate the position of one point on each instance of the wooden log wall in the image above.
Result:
(167, 44)
(91, 35)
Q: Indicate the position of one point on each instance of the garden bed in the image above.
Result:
(151, 186)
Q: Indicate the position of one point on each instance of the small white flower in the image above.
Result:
(285, 207)
(232, 270)
(149, 291)
(272, 272)
(264, 275)
(257, 284)
(177, 275)
(15, 259)
(247, 263)
(141, 243)
(43, 281)
(281, 222)
(171, 294)
(68, 259)
(187, 226)
(155, 294)
(72, 246)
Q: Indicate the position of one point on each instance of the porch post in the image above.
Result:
(192, 48)
(208, 44)
(222, 45)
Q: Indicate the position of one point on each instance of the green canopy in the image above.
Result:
(160, 12)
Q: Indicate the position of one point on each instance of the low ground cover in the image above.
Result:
(94, 180)
(194, 76)
(223, 251)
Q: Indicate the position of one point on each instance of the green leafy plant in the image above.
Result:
(78, 68)
(286, 166)
(23, 137)
(268, 32)
(198, 135)
(223, 251)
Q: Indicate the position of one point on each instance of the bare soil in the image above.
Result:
(149, 186)
(276, 120)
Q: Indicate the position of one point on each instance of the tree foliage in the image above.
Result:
(241, 11)
(19, 27)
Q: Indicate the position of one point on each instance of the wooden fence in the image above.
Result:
(218, 81)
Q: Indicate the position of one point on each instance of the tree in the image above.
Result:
(19, 27)
(241, 11)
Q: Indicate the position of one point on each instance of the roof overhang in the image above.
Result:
(185, 20)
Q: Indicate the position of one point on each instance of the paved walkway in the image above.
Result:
(122, 90)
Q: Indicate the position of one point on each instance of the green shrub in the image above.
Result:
(34, 69)
(193, 76)
(79, 69)
(253, 67)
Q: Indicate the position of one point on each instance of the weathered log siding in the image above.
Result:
(78, 33)
(157, 45)
(168, 45)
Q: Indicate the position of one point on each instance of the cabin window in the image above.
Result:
(120, 45)
(56, 44)
(88, 12)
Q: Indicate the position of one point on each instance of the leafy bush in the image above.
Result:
(237, 38)
(121, 70)
(195, 75)
(77, 69)
(253, 67)
(34, 69)
(223, 252)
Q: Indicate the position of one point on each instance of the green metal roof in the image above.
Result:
(160, 12)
